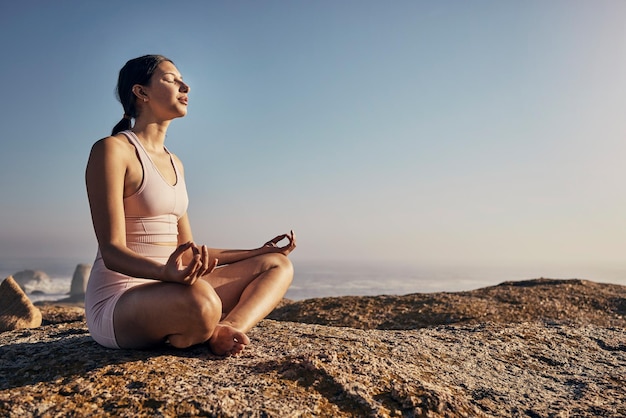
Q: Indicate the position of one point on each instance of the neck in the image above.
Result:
(151, 133)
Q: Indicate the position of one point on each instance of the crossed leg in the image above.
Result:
(153, 313)
(249, 290)
(218, 309)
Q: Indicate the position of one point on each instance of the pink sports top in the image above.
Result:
(152, 212)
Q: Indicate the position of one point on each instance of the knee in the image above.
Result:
(205, 305)
(281, 263)
(203, 309)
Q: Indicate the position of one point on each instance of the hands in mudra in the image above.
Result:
(287, 248)
(202, 263)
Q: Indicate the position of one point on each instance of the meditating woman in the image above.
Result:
(151, 283)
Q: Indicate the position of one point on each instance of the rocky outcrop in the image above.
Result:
(16, 310)
(527, 367)
(79, 282)
(32, 280)
(573, 302)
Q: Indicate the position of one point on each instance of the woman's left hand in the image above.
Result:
(287, 248)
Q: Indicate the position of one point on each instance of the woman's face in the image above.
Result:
(167, 94)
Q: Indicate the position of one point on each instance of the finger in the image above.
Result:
(192, 268)
(270, 243)
(174, 263)
(184, 276)
(290, 239)
(183, 247)
(195, 250)
(189, 276)
(199, 254)
(289, 246)
(278, 239)
(206, 258)
(213, 265)
(175, 256)
(205, 262)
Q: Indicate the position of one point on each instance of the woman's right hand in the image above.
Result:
(201, 263)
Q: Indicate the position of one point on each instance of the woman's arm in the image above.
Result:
(220, 257)
(232, 256)
(105, 176)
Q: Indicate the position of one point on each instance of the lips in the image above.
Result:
(183, 100)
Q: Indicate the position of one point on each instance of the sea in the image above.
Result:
(324, 278)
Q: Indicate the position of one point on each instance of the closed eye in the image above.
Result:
(172, 78)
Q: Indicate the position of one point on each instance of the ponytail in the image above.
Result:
(122, 125)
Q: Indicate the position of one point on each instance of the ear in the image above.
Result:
(140, 92)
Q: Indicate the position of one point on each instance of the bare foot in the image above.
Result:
(227, 341)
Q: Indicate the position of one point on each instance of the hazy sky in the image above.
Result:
(421, 131)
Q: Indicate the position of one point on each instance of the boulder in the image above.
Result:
(16, 310)
(32, 280)
(79, 281)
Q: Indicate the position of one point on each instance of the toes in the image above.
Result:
(228, 341)
(237, 349)
(241, 338)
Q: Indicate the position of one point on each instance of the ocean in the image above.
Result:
(343, 278)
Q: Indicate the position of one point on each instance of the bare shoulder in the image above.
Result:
(116, 145)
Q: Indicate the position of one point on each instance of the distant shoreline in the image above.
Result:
(350, 278)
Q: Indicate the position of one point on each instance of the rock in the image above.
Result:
(32, 280)
(16, 310)
(495, 368)
(61, 312)
(529, 369)
(573, 302)
(79, 281)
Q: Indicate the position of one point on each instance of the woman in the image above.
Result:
(150, 283)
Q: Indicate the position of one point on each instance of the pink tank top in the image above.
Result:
(152, 212)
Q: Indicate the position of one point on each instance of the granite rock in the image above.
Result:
(532, 366)
(573, 302)
(16, 310)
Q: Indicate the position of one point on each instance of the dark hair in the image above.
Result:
(136, 71)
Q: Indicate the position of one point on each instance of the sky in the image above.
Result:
(481, 131)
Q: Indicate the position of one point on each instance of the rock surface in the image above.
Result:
(574, 302)
(534, 361)
(16, 310)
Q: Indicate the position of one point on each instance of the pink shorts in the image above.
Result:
(104, 289)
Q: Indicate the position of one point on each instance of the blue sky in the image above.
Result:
(417, 131)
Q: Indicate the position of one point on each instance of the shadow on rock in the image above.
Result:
(66, 350)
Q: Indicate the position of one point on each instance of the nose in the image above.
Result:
(184, 87)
